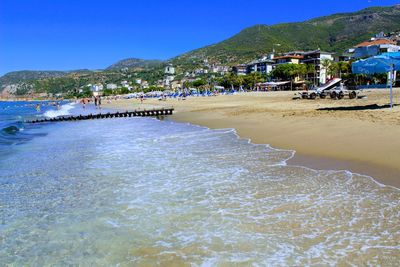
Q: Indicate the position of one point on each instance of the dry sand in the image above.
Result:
(360, 135)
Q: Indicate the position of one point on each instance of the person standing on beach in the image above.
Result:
(83, 101)
(99, 102)
(95, 101)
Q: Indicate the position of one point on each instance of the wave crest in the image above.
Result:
(64, 110)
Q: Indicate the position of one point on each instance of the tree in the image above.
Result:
(343, 67)
(251, 80)
(325, 64)
(310, 69)
(231, 80)
(198, 83)
(333, 69)
(289, 71)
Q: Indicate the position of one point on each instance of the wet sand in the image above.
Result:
(361, 135)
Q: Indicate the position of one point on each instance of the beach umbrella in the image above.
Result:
(385, 63)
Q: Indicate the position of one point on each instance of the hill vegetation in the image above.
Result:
(133, 63)
(333, 33)
(26, 75)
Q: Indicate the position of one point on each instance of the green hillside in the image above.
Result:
(333, 33)
(26, 75)
(135, 63)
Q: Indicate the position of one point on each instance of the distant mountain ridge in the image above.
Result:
(333, 33)
(26, 75)
(135, 63)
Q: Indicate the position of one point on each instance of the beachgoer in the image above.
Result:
(38, 107)
(99, 102)
(83, 103)
(95, 101)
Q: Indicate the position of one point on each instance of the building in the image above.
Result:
(175, 85)
(166, 82)
(219, 69)
(200, 71)
(111, 86)
(375, 47)
(144, 84)
(240, 69)
(343, 57)
(169, 69)
(263, 65)
(96, 87)
(288, 59)
(315, 58)
(125, 84)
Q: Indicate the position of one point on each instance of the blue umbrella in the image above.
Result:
(379, 64)
(385, 63)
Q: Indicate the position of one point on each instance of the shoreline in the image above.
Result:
(361, 141)
(318, 163)
(329, 163)
(381, 174)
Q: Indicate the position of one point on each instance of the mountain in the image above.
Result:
(333, 33)
(26, 75)
(135, 63)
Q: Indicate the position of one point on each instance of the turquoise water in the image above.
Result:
(144, 192)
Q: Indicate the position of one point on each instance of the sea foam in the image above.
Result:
(151, 192)
(63, 111)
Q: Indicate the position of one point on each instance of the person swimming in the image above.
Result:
(38, 107)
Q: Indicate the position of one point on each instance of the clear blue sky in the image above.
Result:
(76, 34)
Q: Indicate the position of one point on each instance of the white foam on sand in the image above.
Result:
(64, 110)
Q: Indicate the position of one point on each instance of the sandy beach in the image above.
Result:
(361, 135)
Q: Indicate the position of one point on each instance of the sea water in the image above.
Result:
(145, 192)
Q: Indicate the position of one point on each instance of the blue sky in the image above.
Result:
(72, 34)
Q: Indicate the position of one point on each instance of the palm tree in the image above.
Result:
(344, 67)
(333, 69)
(325, 64)
(310, 70)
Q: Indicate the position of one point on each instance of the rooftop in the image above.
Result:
(318, 52)
(264, 60)
(289, 57)
(376, 42)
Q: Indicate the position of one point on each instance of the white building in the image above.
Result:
(315, 58)
(96, 87)
(145, 84)
(112, 86)
(125, 84)
(263, 65)
(169, 69)
(219, 69)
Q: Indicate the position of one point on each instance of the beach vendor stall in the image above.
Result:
(385, 63)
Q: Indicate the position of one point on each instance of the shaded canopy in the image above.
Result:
(378, 64)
